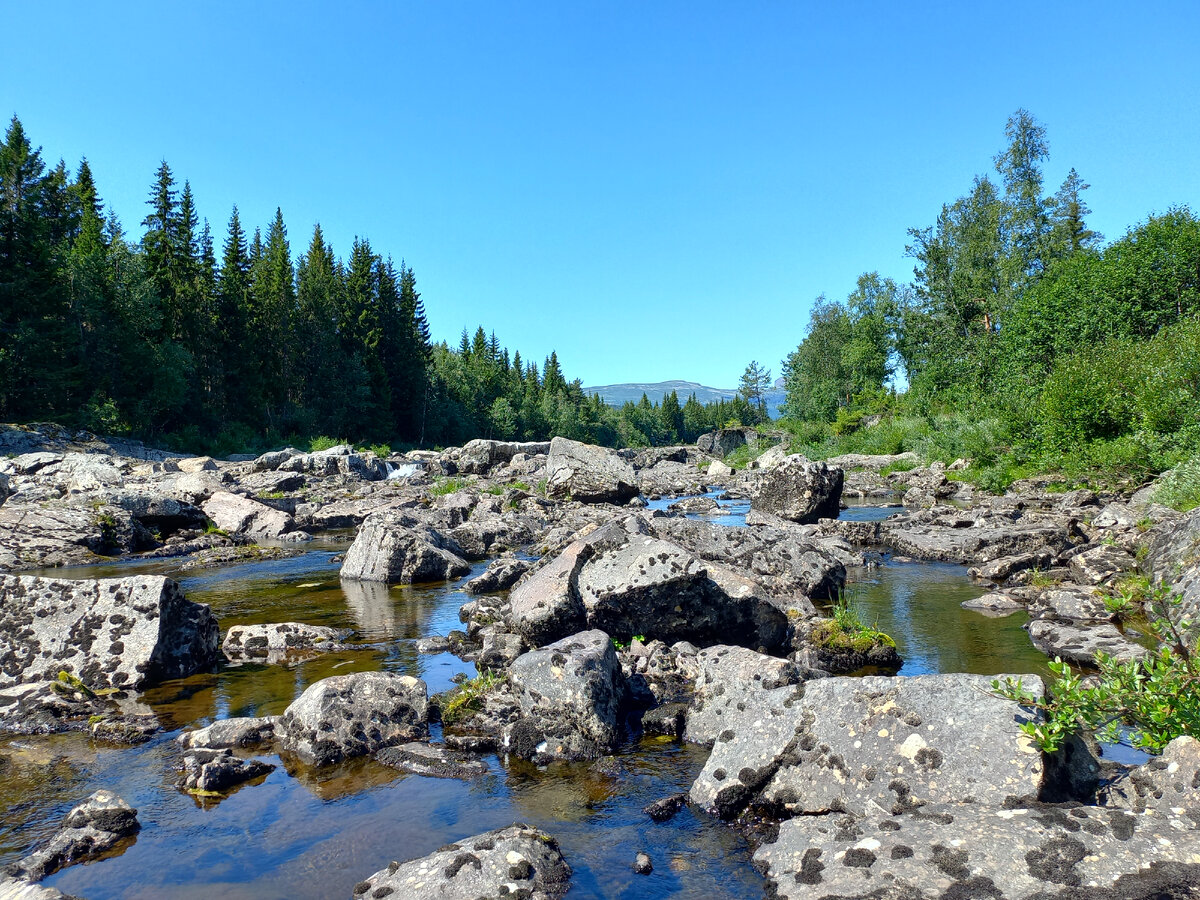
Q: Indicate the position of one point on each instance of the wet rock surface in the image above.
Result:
(108, 633)
(207, 771)
(517, 861)
(345, 716)
(91, 829)
(425, 759)
(277, 641)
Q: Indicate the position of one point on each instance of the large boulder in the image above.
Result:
(109, 632)
(480, 456)
(984, 851)
(588, 473)
(55, 533)
(651, 587)
(517, 861)
(569, 694)
(395, 548)
(1079, 643)
(724, 441)
(91, 830)
(241, 515)
(855, 744)
(799, 490)
(547, 606)
(973, 538)
(354, 715)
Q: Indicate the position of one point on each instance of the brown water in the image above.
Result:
(315, 834)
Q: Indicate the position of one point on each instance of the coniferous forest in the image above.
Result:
(227, 339)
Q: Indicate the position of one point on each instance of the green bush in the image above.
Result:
(323, 442)
(1180, 487)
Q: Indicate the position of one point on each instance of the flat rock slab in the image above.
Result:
(971, 541)
(395, 548)
(354, 715)
(33, 535)
(970, 850)
(1079, 643)
(109, 632)
(1072, 603)
(416, 758)
(274, 642)
(569, 694)
(728, 675)
(518, 861)
(245, 731)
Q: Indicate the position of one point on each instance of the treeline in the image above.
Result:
(1018, 315)
(233, 342)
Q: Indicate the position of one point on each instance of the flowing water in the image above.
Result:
(304, 833)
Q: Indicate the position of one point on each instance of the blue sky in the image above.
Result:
(655, 190)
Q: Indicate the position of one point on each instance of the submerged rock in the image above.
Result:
(274, 642)
(518, 861)
(354, 715)
(439, 762)
(109, 632)
(90, 830)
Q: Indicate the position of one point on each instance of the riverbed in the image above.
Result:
(315, 833)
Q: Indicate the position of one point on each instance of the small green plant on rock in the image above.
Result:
(1154, 699)
(468, 697)
(846, 631)
(444, 486)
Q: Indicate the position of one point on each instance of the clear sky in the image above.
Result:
(656, 190)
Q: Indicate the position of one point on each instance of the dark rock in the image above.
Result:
(518, 861)
(395, 548)
(643, 864)
(423, 759)
(500, 575)
(353, 715)
(799, 490)
(724, 441)
(91, 829)
(208, 771)
(110, 632)
(670, 719)
(588, 474)
(665, 809)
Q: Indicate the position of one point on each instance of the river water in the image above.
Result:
(315, 833)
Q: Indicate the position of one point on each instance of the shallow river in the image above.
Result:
(315, 834)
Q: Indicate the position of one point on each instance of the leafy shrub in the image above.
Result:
(317, 444)
(1180, 487)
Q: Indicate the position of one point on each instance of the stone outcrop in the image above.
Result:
(479, 457)
(1079, 643)
(518, 861)
(856, 744)
(241, 515)
(724, 441)
(799, 490)
(395, 548)
(90, 830)
(588, 474)
(354, 715)
(110, 632)
(55, 533)
(727, 677)
(1174, 560)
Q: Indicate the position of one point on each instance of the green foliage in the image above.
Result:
(520, 486)
(317, 444)
(1155, 698)
(444, 486)
(468, 697)
(1179, 488)
(846, 631)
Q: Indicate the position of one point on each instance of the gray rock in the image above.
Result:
(727, 676)
(518, 861)
(55, 533)
(704, 506)
(438, 762)
(724, 441)
(354, 715)
(275, 641)
(1002, 569)
(993, 601)
(970, 539)
(498, 649)
(1173, 559)
(395, 548)
(588, 474)
(976, 850)
(547, 606)
(215, 771)
(1079, 643)
(479, 457)
(899, 743)
(19, 889)
(241, 515)
(717, 471)
(1100, 565)
(798, 490)
(500, 575)
(110, 632)
(90, 830)
(642, 864)
(1070, 603)
(569, 694)
(1164, 786)
(271, 461)
(229, 733)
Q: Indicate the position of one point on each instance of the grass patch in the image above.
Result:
(468, 697)
(520, 486)
(444, 486)
(846, 631)
(324, 442)
(900, 465)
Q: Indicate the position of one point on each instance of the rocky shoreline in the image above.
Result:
(598, 618)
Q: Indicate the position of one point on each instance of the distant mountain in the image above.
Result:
(619, 394)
